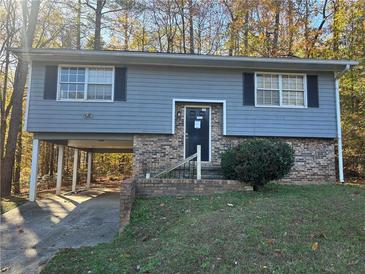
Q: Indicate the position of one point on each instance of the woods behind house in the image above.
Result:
(331, 29)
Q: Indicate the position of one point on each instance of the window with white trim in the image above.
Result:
(86, 83)
(286, 90)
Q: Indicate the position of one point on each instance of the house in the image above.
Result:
(160, 106)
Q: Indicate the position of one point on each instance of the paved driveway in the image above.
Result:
(32, 233)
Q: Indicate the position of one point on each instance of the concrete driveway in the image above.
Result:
(32, 233)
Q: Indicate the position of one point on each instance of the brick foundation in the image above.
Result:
(314, 157)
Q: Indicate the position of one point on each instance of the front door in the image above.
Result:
(197, 130)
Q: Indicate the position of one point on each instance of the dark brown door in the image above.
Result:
(197, 131)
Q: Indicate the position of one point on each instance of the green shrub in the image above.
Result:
(258, 161)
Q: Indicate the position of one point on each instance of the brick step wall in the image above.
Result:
(183, 187)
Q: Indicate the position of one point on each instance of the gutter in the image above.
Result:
(338, 118)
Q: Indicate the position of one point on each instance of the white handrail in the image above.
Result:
(199, 162)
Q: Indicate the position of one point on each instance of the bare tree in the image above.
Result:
(191, 26)
(30, 15)
(277, 5)
(100, 8)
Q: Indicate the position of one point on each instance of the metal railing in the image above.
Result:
(190, 168)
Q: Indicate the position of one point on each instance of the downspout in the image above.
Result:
(338, 118)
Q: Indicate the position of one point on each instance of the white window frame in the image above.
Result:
(280, 74)
(86, 83)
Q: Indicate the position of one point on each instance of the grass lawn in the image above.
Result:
(284, 229)
(11, 202)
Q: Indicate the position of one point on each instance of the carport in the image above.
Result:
(90, 143)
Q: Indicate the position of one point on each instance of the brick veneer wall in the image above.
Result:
(127, 196)
(314, 157)
(176, 187)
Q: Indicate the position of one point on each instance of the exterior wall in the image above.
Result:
(314, 157)
(148, 109)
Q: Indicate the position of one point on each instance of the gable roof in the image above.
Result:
(176, 59)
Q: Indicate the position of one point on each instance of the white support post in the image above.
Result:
(75, 167)
(34, 171)
(89, 165)
(199, 162)
(59, 169)
(339, 132)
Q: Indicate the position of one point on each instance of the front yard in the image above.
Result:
(305, 229)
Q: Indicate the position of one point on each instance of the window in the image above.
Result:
(287, 90)
(268, 92)
(86, 83)
(293, 90)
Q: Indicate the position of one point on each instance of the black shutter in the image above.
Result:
(312, 91)
(50, 83)
(120, 84)
(248, 89)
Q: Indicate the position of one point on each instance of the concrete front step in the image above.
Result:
(212, 172)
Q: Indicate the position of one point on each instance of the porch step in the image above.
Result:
(212, 173)
(208, 173)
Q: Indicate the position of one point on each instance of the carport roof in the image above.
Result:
(94, 142)
(184, 60)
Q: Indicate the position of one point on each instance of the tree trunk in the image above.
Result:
(51, 160)
(335, 27)
(18, 162)
(14, 126)
(276, 29)
(191, 27)
(98, 14)
(182, 14)
(21, 72)
(3, 123)
(306, 29)
(290, 28)
(125, 26)
(78, 26)
(245, 37)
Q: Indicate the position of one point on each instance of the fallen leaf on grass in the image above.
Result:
(315, 246)
(145, 238)
(4, 269)
(270, 242)
(319, 235)
(353, 263)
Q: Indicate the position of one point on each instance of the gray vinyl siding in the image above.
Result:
(148, 109)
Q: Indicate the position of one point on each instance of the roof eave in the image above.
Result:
(140, 58)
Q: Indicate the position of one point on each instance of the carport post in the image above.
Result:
(34, 171)
(89, 164)
(59, 169)
(74, 174)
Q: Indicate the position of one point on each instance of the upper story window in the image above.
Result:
(286, 90)
(86, 83)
